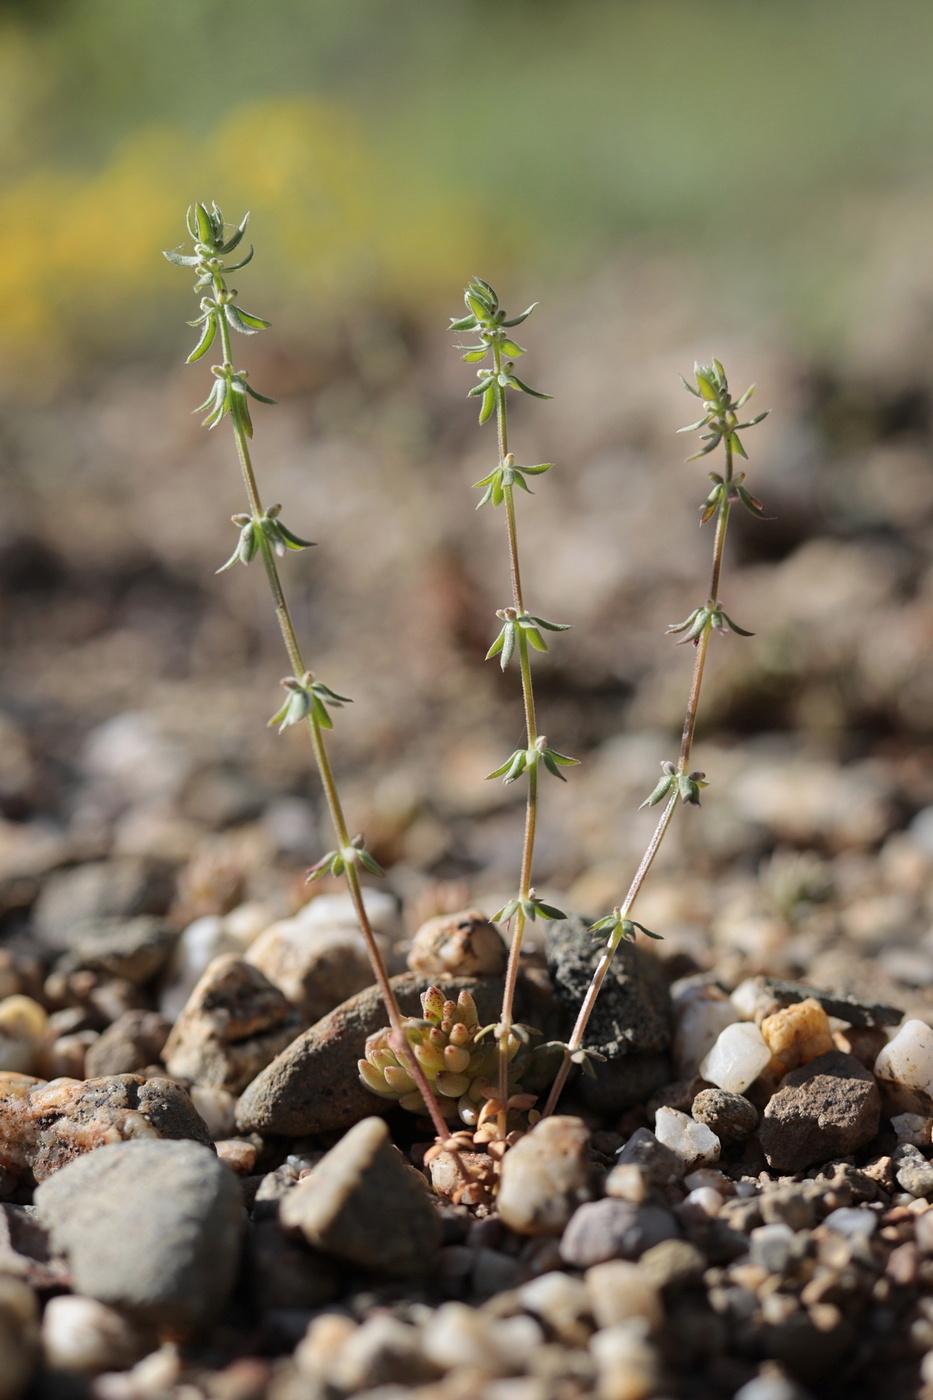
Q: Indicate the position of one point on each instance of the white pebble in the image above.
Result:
(913, 1128)
(699, 1022)
(851, 1222)
(81, 1334)
(746, 997)
(218, 1109)
(905, 1067)
(247, 921)
(459, 1336)
(694, 1143)
(737, 1058)
(704, 1201)
(620, 1293)
(201, 942)
(328, 910)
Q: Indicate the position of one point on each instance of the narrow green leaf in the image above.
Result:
(235, 267)
(526, 388)
(182, 259)
(489, 404)
(255, 394)
(512, 349)
(517, 320)
(206, 341)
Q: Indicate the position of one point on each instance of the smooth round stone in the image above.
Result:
(852, 1222)
(83, 1334)
(738, 1057)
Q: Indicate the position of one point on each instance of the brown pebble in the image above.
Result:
(237, 1154)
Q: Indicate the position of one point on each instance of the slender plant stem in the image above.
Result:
(326, 772)
(504, 1030)
(686, 744)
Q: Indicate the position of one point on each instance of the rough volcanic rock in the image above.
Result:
(233, 1024)
(827, 1108)
(365, 1204)
(43, 1126)
(151, 1227)
(314, 1085)
(632, 1018)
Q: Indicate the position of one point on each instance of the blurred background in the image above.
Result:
(671, 180)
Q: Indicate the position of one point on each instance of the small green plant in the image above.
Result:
(521, 631)
(261, 532)
(679, 785)
(448, 1045)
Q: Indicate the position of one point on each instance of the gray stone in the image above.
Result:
(150, 1227)
(795, 1206)
(131, 1043)
(365, 1204)
(914, 1173)
(660, 1165)
(545, 1176)
(101, 889)
(731, 1116)
(314, 1085)
(44, 1126)
(673, 1265)
(613, 1229)
(233, 1024)
(827, 1108)
(775, 1247)
(285, 1272)
(616, 1085)
(134, 950)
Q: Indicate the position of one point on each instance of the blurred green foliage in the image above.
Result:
(420, 140)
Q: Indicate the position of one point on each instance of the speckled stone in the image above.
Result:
(43, 1126)
(233, 1024)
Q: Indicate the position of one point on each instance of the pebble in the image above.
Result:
(700, 1016)
(464, 944)
(793, 1205)
(693, 1143)
(904, 1069)
(315, 966)
(912, 1170)
(314, 1085)
(132, 1042)
(737, 1058)
(134, 950)
(383, 1351)
(19, 1337)
(561, 1301)
(104, 889)
(217, 1107)
(282, 1271)
(342, 1207)
(913, 1128)
(730, 1116)
(774, 1248)
(85, 1335)
(826, 1109)
(150, 1227)
(233, 1024)
(545, 1177)
(202, 941)
(672, 1265)
(796, 1035)
(864, 1042)
(614, 1229)
(23, 1023)
(851, 1222)
(658, 1163)
(761, 996)
(459, 1336)
(620, 1292)
(627, 1364)
(43, 1126)
(770, 1387)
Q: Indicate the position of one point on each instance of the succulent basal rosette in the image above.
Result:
(461, 1068)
